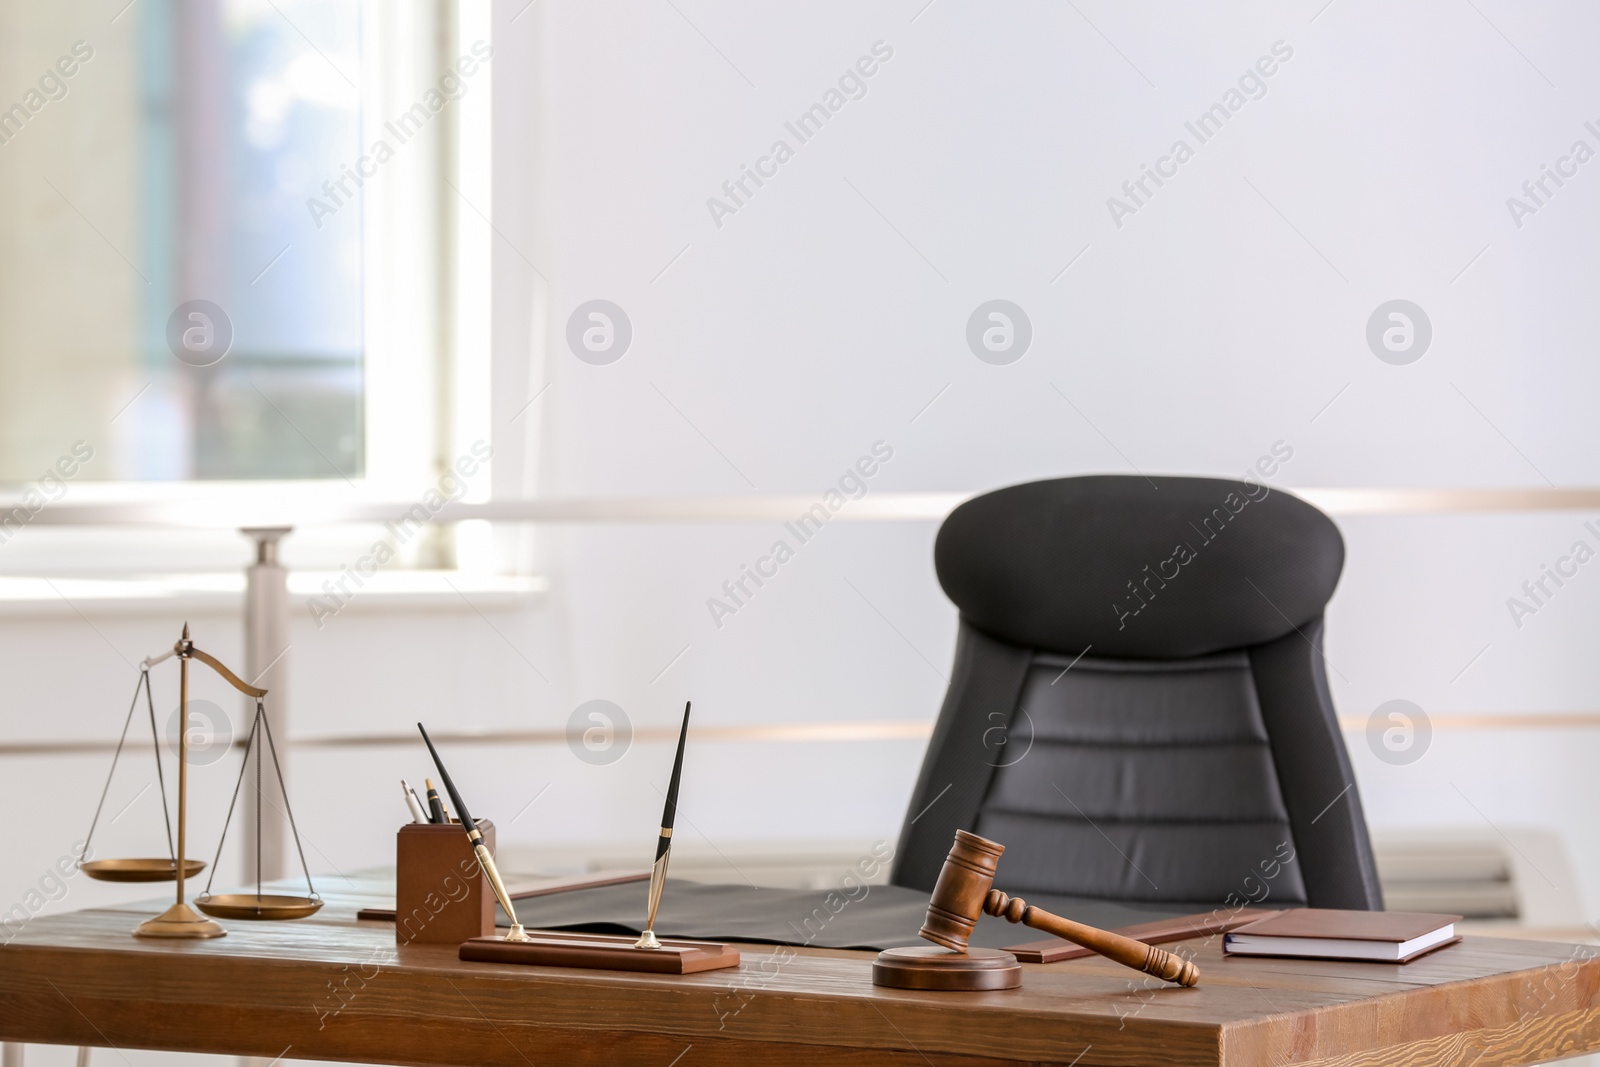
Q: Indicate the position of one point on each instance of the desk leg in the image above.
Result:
(83, 1056)
(11, 1055)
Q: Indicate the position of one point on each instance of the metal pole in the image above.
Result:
(183, 763)
(266, 644)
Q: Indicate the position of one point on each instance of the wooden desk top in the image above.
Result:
(330, 987)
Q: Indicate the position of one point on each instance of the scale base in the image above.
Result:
(178, 921)
(931, 967)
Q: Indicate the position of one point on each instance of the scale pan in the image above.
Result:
(142, 870)
(251, 906)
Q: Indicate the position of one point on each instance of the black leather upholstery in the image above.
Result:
(1200, 565)
(1141, 732)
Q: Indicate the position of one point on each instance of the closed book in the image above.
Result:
(1326, 933)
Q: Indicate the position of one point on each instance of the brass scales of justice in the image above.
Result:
(180, 920)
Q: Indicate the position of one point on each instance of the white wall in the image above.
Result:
(1222, 316)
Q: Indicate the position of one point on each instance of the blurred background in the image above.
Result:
(311, 261)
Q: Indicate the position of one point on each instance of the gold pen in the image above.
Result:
(435, 805)
(658, 871)
(485, 860)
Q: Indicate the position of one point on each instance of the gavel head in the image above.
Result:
(959, 893)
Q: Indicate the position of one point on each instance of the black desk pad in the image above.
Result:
(880, 916)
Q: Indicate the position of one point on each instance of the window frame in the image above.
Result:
(426, 345)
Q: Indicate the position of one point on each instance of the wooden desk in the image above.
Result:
(330, 987)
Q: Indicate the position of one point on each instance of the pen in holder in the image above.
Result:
(480, 847)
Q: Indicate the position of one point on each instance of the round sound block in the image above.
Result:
(932, 967)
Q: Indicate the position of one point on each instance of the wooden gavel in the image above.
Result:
(964, 890)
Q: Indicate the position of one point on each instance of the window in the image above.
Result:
(195, 201)
(240, 122)
(241, 242)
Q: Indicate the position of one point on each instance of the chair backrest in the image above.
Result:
(1138, 708)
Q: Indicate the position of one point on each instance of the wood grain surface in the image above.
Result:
(331, 987)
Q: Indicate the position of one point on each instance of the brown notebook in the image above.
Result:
(1182, 928)
(1325, 933)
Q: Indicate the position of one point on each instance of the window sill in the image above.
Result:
(223, 593)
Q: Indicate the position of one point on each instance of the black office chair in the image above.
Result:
(1138, 709)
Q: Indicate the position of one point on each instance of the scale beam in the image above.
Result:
(228, 676)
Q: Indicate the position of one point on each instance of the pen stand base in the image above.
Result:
(932, 967)
(601, 952)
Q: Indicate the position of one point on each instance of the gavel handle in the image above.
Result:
(1125, 950)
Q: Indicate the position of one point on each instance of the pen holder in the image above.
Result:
(442, 896)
